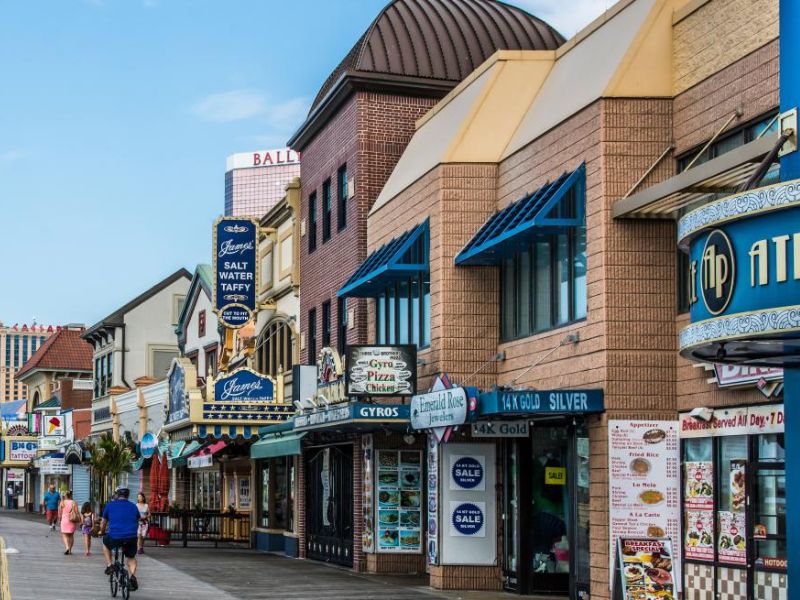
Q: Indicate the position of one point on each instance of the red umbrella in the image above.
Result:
(154, 464)
(163, 484)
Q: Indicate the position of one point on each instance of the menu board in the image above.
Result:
(399, 486)
(645, 569)
(644, 485)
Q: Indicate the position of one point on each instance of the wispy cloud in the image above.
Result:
(273, 120)
(567, 17)
(14, 154)
(230, 106)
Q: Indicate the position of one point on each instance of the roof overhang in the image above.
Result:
(352, 81)
(721, 175)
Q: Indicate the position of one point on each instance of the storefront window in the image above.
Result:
(769, 522)
(206, 490)
(264, 518)
(277, 493)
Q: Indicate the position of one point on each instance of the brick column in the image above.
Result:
(300, 507)
(359, 564)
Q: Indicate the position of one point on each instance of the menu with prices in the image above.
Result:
(399, 487)
(644, 482)
(646, 569)
(699, 486)
(732, 540)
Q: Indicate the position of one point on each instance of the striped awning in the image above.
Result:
(227, 431)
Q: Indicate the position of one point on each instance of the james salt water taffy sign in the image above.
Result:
(235, 270)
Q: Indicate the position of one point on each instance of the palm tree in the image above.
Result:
(109, 459)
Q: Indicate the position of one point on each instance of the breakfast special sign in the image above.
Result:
(644, 484)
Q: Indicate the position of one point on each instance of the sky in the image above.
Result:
(115, 120)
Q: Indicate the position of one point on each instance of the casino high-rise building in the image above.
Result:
(256, 181)
(17, 345)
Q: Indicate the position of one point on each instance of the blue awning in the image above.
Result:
(400, 258)
(513, 228)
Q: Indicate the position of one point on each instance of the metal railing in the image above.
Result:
(200, 526)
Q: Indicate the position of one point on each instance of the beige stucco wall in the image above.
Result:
(719, 33)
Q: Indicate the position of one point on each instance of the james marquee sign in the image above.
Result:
(247, 397)
(235, 270)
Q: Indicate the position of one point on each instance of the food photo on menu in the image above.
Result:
(647, 569)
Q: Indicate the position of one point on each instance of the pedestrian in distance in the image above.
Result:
(69, 521)
(10, 496)
(51, 501)
(87, 526)
(144, 520)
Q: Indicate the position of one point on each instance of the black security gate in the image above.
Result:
(329, 504)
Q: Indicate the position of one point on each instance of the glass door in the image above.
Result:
(511, 504)
(549, 526)
(769, 512)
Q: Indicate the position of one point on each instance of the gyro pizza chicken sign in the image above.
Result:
(381, 370)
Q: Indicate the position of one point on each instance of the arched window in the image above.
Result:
(36, 398)
(275, 348)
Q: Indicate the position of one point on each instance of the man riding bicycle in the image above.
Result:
(121, 518)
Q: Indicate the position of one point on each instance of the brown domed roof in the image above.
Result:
(440, 40)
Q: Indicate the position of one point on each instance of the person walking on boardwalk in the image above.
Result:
(69, 521)
(144, 519)
(87, 525)
(51, 501)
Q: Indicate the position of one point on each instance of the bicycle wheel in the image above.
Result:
(124, 584)
(112, 579)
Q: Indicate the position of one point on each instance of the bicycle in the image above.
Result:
(118, 579)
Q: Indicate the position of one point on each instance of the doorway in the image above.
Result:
(329, 504)
(546, 510)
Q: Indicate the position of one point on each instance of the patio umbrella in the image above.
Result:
(154, 464)
(163, 484)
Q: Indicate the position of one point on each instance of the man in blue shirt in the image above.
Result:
(121, 519)
(51, 501)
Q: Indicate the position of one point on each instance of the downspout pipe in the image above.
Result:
(123, 359)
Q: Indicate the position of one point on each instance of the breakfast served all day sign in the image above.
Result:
(644, 485)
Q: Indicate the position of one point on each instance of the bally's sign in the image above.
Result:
(235, 270)
(443, 408)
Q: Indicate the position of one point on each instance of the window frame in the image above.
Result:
(327, 210)
(342, 197)
(341, 325)
(312, 221)
(312, 336)
(326, 324)
(512, 331)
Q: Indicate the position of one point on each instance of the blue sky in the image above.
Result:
(115, 120)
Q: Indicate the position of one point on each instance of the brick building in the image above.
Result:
(363, 116)
(546, 187)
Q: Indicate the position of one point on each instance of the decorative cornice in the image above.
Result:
(775, 321)
(752, 202)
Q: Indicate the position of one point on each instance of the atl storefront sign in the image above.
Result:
(235, 270)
